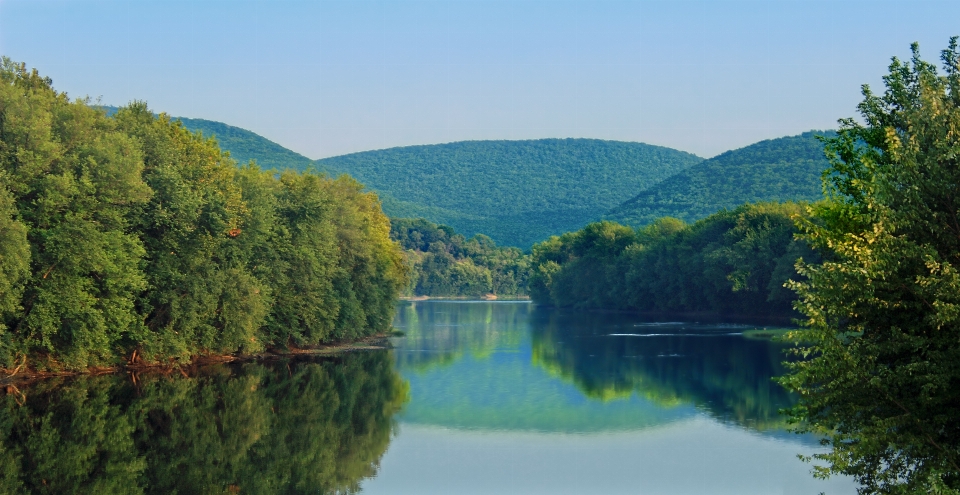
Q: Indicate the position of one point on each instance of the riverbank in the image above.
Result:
(487, 297)
(12, 377)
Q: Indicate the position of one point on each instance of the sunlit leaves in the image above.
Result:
(882, 309)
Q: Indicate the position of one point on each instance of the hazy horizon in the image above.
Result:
(331, 78)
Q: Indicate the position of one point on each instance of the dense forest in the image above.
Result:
(516, 192)
(243, 145)
(783, 169)
(733, 262)
(444, 263)
(130, 238)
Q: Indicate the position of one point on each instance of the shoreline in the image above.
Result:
(9, 378)
(488, 297)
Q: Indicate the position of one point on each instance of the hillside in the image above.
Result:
(517, 192)
(782, 169)
(244, 145)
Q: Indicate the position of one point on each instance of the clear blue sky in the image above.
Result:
(326, 78)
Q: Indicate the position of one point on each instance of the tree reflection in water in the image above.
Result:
(708, 365)
(317, 426)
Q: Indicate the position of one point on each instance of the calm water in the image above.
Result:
(506, 398)
(477, 397)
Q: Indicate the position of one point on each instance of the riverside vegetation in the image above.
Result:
(129, 238)
(734, 262)
(442, 262)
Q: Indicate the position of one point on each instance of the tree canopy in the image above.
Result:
(733, 262)
(442, 262)
(129, 237)
(882, 381)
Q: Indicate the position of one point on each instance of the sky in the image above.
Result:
(326, 78)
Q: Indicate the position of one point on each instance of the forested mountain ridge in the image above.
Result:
(522, 192)
(242, 144)
(782, 169)
(245, 145)
(517, 192)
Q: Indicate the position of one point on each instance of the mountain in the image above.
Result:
(245, 145)
(787, 168)
(242, 144)
(516, 192)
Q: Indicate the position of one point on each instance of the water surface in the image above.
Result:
(477, 397)
(507, 398)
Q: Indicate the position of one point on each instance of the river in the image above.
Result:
(508, 398)
(475, 397)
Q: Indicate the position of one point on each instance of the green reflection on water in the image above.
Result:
(708, 365)
(285, 427)
(510, 366)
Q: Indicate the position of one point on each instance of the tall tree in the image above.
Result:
(882, 378)
(72, 178)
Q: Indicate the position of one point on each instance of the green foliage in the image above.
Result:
(131, 235)
(883, 363)
(517, 192)
(783, 169)
(289, 427)
(444, 263)
(73, 178)
(732, 262)
(245, 146)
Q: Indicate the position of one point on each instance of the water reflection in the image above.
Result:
(513, 366)
(708, 365)
(439, 333)
(507, 398)
(315, 426)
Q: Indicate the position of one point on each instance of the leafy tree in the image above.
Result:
(72, 177)
(882, 381)
(732, 262)
(444, 263)
(129, 237)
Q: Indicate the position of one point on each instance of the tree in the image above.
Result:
(881, 378)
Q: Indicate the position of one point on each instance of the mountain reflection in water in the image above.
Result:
(508, 398)
(503, 366)
(302, 426)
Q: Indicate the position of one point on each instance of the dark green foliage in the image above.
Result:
(517, 192)
(783, 169)
(129, 236)
(733, 262)
(245, 146)
(287, 427)
(882, 378)
(73, 178)
(242, 144)
(444, 263)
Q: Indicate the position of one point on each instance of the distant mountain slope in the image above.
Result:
(517, 192)
(787, 168)
(244, 145)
